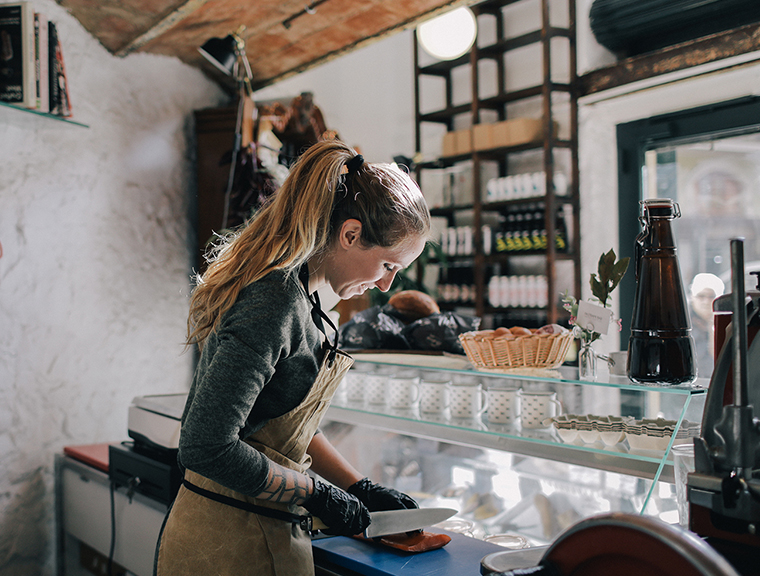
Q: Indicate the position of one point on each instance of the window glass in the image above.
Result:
(717, 186)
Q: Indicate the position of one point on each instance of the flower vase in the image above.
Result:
(587, 361)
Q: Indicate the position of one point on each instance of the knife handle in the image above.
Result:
(317, 524)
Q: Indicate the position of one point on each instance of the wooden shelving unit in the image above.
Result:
(498, 103)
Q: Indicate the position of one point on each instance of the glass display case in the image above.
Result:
(523, 454)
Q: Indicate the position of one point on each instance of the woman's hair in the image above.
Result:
(302, 219)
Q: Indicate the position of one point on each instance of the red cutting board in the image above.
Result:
(460, 557)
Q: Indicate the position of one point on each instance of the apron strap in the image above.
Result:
(304, 522)
(317, 314)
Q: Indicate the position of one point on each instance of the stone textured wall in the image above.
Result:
(94, 271)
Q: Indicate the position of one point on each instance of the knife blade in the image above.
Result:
(386, 522)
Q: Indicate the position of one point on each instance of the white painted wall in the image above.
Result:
(366, 95)
(95, 267)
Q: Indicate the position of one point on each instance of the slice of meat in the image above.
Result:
(418, 542)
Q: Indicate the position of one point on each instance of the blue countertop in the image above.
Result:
(461, 556)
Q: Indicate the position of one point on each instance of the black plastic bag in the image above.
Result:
(440, 332)
(381, 328)
(373, 329)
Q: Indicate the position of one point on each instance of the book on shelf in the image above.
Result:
(60, 103)
(17, 62)
(52, 76)
(41, 62)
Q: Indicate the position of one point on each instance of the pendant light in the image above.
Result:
(450, 35)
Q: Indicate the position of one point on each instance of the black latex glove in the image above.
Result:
(376, 497)
(343, 513)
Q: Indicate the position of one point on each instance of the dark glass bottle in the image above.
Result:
(660, 348)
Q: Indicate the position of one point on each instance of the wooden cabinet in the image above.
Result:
(499, 135)
(215, 139)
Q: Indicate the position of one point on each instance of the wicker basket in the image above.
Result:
(535, 351)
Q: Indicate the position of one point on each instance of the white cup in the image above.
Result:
(376, 387)
(619, 362)
(435, 396)
(683, 464)
(339, 396)
(354, 385)
(468, 400)
(503, 404)
(537, 407)
(403, 390)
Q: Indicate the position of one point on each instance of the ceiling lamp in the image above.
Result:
(450, 35)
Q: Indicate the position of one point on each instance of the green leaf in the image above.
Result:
(610, 273)
(598, 289)
(606, 263)
(618, 271)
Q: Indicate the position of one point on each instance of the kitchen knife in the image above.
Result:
(387, 522)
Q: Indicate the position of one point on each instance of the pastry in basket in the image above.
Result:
(517, 347)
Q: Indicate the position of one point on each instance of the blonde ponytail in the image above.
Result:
(299, 222)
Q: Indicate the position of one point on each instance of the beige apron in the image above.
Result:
(204, 537)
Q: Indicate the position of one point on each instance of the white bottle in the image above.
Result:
(487, 239)
(531, 291)
(492, 190)
(543, 292)
(452, 241)
(493, 291)
(514, 291)
(467, 240)
(507, 188)
(505, 291)
(522, 291)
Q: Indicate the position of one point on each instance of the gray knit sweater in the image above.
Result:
(259, 364)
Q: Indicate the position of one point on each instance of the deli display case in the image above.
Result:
(522, 455)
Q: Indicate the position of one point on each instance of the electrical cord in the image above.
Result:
(113, 531)
(132, 484)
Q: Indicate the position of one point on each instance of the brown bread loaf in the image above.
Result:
(413, 304)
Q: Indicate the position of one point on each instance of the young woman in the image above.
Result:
(266, 372)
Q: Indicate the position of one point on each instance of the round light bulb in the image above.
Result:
(450, 35)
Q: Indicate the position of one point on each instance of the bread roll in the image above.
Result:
(520, 331)
(413, 304)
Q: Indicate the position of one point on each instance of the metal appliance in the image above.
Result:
(149, 463)
(724, 489)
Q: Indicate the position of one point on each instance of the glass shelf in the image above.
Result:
(43, 114)
(611, 395)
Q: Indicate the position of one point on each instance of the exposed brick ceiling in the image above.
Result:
(314, 31)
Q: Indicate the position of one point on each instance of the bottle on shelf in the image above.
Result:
(518, 291)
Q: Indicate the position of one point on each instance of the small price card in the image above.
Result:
(593, 317)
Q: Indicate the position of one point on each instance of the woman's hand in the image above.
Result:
(376, 497)
(343, 513)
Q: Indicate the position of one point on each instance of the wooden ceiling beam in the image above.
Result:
(170, 21)
(703, 50)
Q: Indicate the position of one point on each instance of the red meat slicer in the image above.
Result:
(724, 489)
